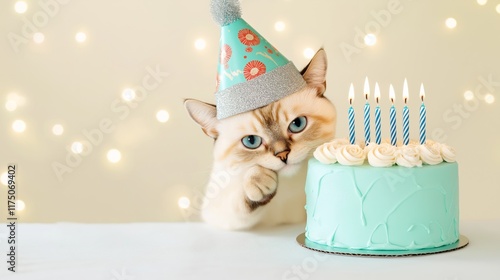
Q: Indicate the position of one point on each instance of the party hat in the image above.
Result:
(251, 72)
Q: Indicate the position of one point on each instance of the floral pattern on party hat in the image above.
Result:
(251, 72)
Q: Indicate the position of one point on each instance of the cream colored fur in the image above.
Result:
(250, 187)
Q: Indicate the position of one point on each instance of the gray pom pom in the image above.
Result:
(225, 12)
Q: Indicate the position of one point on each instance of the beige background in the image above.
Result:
(79, 86)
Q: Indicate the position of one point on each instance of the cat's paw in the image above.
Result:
(260, 186)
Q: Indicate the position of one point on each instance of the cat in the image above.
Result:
(251, 149)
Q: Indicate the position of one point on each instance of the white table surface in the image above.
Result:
(195, 251)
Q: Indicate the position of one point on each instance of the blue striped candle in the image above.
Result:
(366, 113)
(378, 137)
(367, 123)
(406, 115)
(423, 113)
(392, 117)
(352, 137)
(406, 125)
(350, 116)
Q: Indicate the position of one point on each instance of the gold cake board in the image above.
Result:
(304, 242)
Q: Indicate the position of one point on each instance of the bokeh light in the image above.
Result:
(38, 37)
(128, 94)
(4, 179)
(20, 205)
(308, 53)
(114, 155)
(77, 147)
(489, 98)
(80, 37)
(279, 26)
(57, 129)
(200, 44)
(11, 105)
(370, 39)
(14, 101)
(451, 23)
(162, 116)
(21, 7)
(19, 126)
(468, 95)
(183, 202)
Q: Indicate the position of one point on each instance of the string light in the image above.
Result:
(498, 8)
(80, 37)
(21, 7)
(279, 26)
(114, 155)
(162, 116)
(200, 44)
(57, 129)
(482, 2)
(451, 23)
(370, 39)
(468, 95)
(19, 126)
(38, 37)
(183, 202)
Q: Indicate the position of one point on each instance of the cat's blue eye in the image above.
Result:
(251, 141)
(298, 124)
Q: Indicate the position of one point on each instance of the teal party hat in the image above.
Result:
(251, 73)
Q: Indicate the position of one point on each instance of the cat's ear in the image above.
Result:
(204, 114)
(315, 72)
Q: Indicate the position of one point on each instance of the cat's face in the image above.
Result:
(278, 136)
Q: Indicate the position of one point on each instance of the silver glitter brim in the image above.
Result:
(259, 92)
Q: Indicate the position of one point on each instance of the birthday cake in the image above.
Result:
(382, 197)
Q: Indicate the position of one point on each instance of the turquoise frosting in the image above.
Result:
(374, 208)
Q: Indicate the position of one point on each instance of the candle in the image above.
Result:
(378, 138)
(423, 113)
(367, 113)
(350, 114)
(406, 115)
(392, 116)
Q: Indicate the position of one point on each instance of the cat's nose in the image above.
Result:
(283, 155)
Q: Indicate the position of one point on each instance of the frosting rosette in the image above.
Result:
(337, 143)
(448, 153)
(326, 153)
(369, 147)
(350, 155)
(383, 155)
(433, 144)
(430, 154)
(408, 156)
(414, 142)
